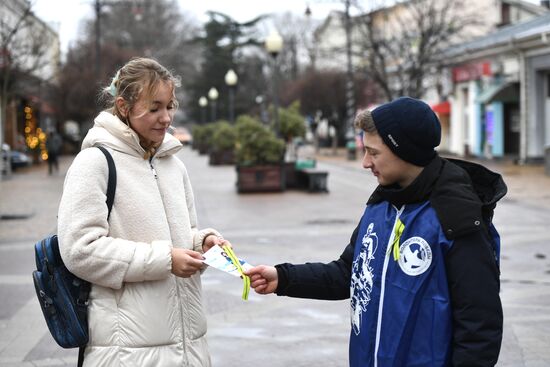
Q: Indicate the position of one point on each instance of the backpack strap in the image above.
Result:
(111, 189)
(80, 361)
(111, 183)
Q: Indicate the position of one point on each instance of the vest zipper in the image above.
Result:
(383, 285)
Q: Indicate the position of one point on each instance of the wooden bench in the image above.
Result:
(312, 179)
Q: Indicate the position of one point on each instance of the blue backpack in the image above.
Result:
(62, 295)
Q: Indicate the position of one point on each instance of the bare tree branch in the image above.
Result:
(401, 43)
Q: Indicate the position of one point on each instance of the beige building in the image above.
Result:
(484, 16)
(500, 94)
(330, 36)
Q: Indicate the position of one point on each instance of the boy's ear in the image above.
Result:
(121, 105)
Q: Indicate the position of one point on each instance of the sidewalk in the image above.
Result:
(271, 228)
(526, 183)
(28, 201)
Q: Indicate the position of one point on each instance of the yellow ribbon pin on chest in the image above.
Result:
(397, 232)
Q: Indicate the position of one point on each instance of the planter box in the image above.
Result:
(203, 148)
(290, 175)
(222, 158)
(260, 178)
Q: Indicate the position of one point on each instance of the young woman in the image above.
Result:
(144, 261)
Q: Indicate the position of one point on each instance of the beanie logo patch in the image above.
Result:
(393, 140)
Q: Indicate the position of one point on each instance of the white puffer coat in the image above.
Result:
(139, 313)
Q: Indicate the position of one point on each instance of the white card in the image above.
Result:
(217, 258)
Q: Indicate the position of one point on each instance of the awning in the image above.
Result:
(506, 92)
(442, 108)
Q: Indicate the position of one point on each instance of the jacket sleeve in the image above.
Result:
(83, 230)
(317, 280)
(473, 278)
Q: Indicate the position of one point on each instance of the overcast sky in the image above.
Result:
(65, 15)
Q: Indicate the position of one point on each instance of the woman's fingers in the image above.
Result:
(186, 262)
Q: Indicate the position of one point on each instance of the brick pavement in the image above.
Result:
(265, 227)
(31, 192)
(527, 183)
(32, 196)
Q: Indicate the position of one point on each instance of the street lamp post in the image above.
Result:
(203, 102)
(274, 45)
(350, 90)
(231, 80)
(309, 38)
(213, 96)
(263, 115)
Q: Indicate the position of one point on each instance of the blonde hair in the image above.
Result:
(365, 122)
(139, 75)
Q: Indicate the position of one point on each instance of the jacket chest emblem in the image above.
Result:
(415, 256)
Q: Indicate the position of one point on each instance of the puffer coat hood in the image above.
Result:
(111, 132)
(139, 313)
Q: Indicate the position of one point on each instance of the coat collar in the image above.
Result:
(110, 131)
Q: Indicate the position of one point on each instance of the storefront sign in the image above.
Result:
(468, 72)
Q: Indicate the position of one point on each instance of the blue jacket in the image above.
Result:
(422, 272)
(400, 303)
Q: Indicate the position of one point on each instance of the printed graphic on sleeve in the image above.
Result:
(362, 278)
(416, 256)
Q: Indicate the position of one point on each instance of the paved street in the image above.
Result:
(293, 226)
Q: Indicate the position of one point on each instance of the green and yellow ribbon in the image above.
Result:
(246, 280)
(397, 232)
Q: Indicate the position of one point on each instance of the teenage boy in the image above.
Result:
(421, 267)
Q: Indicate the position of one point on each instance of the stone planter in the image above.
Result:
(203, 148)
(290, 175)
(225, 157)
(267, 178)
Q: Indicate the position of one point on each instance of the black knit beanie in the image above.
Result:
(409, 128)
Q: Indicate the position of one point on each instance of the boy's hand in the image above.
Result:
(263, 279)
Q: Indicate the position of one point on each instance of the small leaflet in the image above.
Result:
(217, 258)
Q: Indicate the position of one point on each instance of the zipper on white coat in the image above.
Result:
(153, 168)
(383, 286)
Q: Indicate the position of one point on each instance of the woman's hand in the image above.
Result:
(212, 240)
(264, 279)
(186, 262)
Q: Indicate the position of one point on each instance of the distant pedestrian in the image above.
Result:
(421, 268)
(145, 260)
(53, 146)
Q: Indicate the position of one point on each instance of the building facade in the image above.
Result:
(442, 85)
(29, 66)
(500, 99)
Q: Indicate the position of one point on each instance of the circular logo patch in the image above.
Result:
(415, 256)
